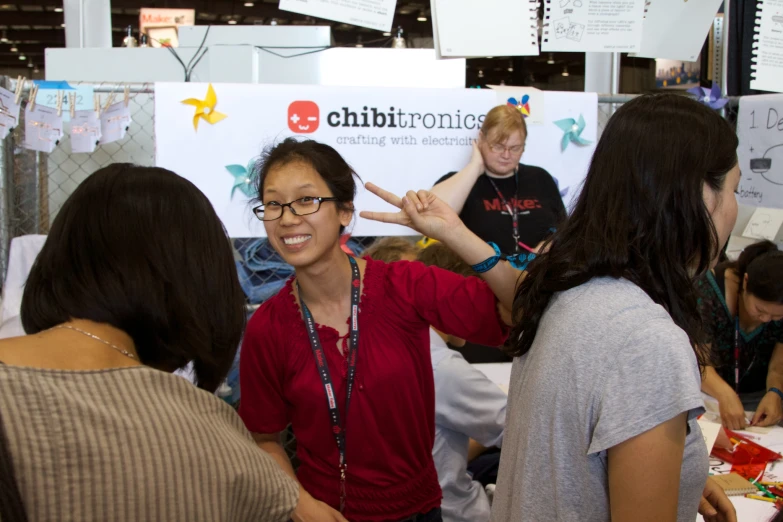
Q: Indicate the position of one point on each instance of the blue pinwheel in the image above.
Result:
(243, 179)
(709, 97)
(573, 131)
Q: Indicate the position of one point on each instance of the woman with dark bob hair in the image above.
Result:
(136, 279)
(605, 385)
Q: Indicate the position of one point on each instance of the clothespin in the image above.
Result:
(60, 100)
(31, 98)
(97, 102)
(72, 104)
(109, 102)
(20, 81)
(127, 95)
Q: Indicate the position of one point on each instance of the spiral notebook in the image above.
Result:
(767, 60)
(734, 485)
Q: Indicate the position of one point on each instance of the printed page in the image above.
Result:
(676, 30)
(43, 128)
(85, 131)
(593, 25)
(768, 47)
(764, 224)
(9, 112)
(465, 28)
(114, 122)
(373, 14)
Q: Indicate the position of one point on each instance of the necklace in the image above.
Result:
(93, 336)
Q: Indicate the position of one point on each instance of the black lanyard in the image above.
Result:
(511, 209)
(338, 428)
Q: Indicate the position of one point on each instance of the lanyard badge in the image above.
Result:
(338, 424)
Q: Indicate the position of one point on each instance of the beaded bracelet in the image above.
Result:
(518, 261)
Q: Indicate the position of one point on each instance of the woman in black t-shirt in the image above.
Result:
(741, 304)
(495, 192)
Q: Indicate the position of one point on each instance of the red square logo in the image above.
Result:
(303, 117)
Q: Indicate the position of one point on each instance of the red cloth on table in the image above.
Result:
(391, 422)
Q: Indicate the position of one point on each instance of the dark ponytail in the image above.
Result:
(763, 263)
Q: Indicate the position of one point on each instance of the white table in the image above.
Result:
(748, 510)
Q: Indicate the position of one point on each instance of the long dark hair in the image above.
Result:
(763, 263)
(142, 249)
(641, 213)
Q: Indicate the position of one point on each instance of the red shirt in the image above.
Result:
(390, 427)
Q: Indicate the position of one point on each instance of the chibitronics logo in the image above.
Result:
(303, 117)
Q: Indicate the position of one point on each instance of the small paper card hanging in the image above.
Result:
(85, 131)
(43, 128)
(9, 112)
(115, 121)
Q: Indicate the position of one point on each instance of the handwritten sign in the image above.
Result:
(764, 224)
(760, 152)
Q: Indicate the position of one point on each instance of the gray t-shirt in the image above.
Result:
(607, 364)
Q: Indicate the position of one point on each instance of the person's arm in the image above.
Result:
(432, 217)
(475, 449)
(770, 409)
(455, 190)
(644, 474)
(732, 414)
(270, 443)
(307, 508)
(467, 402)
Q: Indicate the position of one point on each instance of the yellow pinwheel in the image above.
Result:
(205, 109)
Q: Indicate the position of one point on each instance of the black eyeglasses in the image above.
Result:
(299, 207)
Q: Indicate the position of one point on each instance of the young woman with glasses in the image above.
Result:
(501, 200)
(342, 352)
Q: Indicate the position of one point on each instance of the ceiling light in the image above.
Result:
(481, 73)
(4, 38)
(551, 59)
(511, 68)
(232, 22)
(386, 34)
(36, 69)
(359, 41)
(62, 25)
(30, 65)
(565, 71)
(273, 22)
(422, 17)
(249, 4)
(490, 57)
(13, 49)
(58, 9)
(22, 57)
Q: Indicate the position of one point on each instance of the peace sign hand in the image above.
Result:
(422, 211)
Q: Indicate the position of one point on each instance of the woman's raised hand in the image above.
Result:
(422, 211)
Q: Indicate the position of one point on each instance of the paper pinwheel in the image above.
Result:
(205, 109)
(709, 97)
(522, 105)
(573, 130)
(243, 179)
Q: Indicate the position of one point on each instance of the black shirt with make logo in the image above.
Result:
(537, 200)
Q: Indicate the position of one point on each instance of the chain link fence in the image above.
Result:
(34, 186)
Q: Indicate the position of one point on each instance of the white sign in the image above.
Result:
(373, 14)
(465, 28)
(760, 152)
(400, 139)
(676, 30)
(593, 25)
(768, 47)
(166, 21)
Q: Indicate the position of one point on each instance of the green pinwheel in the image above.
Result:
(243, 179)
(573, 130)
